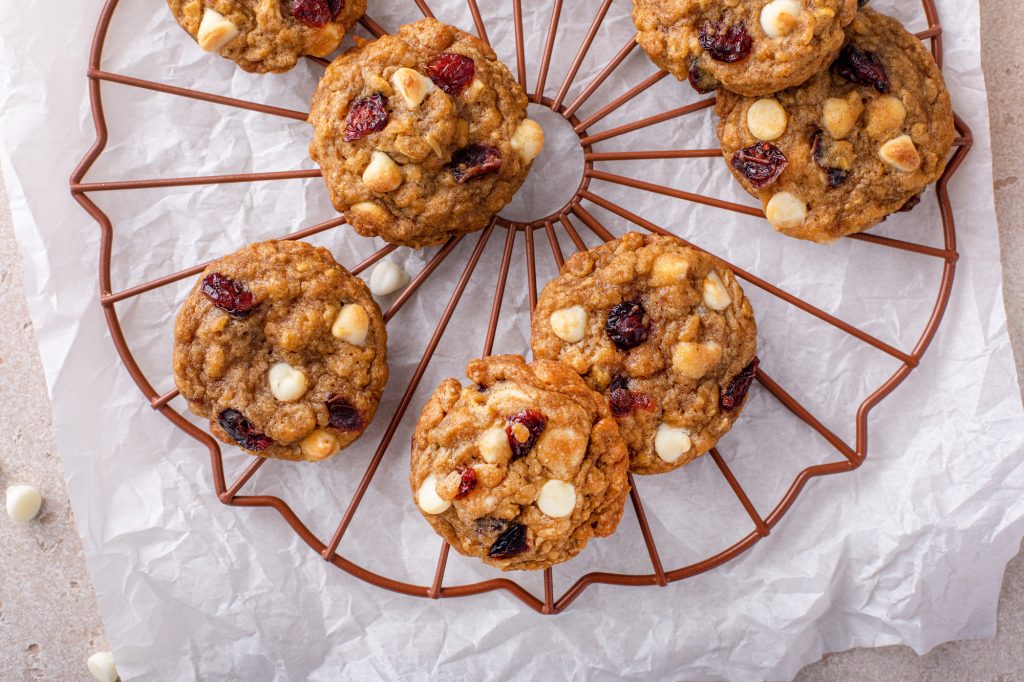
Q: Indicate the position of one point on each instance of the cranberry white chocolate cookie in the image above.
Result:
(521, 467)
(283, 350)
(860, 140)
(267, 35)
(664, 332)
(421, 135)
(752, 47)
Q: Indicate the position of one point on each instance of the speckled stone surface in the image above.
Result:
(49, 622)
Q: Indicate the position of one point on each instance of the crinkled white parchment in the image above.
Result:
(908, 549)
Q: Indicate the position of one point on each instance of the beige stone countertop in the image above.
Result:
(49, 621)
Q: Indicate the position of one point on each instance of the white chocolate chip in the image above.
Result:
(885, 116)
(716, 296)
(287, 384)
(569, 324)
(370, 213)
(412, 86)
(382, 174)
(494, 447)
(23, 502)
(528, 139)
(557, 499)
(766, 119)
(101, 665)
(839, 115)
(319, 445)
(428, 499)
(671, 442)
(669, 268)
(779, 17)
(387, 278)
(786, 211)
(694, 360)
(352, 324)
(901, 154)
(508, 397)
(215, 31)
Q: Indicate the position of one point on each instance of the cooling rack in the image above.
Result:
(532, 232)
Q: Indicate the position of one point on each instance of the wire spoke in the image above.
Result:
(588, 40)
(424, 9)
(676, 193)
(741, 494)
(517, 17)
(556, 249)
(419, 279)
(375, 29)
(196, 94)
(111, 185)
(600, 78)
(442, 562)
(654, 154)
(620, 100)
(573, 235)
(331, 550)
(531, 270)
(499, 290)
(649, 121)
(230, 493)
(478, 21)
(549, 46)
(645, 530)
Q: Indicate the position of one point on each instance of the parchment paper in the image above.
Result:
(908, 549)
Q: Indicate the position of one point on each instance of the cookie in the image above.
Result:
(664, 332)
(857, 142)
(267, 35)
(752, 47)
(283, 350)
(421, 135)
(521, 467)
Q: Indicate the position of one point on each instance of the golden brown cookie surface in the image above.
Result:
(664, 332)
(752, 47)
(520, 468)
(421, 135)
(283, 350)
(267, 35)
(855, 143)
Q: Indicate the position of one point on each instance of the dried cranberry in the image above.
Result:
(725, 43)
(761, 163)
(475, 161)
(911, 203)
(467, 483)
(509, 543)
(700, 80)
(243, 431)
(343, 415)
(315, 13)
(534, 423)
(451, 72)
(820, 154)
(228, 295)
(623, 401)
(628, 325)
(480, 388)
(367, 115)
(737, 389)
(336, 6)
(861, 3)
(863, 68)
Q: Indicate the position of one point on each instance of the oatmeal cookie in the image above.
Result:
(283, 350)
(421, 135)
(855, 143)
(752, 47)
(267, 35)
(520, 468)
(664, 332)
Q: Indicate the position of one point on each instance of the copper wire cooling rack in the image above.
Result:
(851, 457)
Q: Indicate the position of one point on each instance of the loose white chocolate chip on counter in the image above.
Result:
(319, 445)
(557, 499)
(101, 666)
(569, 324)
(669, 268)
(779, 17)
(387, 278)
(693, 360)
(23, 502)
(215, 31)
(901, 154)
(287, 384)
(716, 296)
(786, 211)
(766, 119)
(412, 86)
(528, 139)
(428, 499)
(494, 447)
(840, 115)
(382, 174)
(352, 324)
(671, 442)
